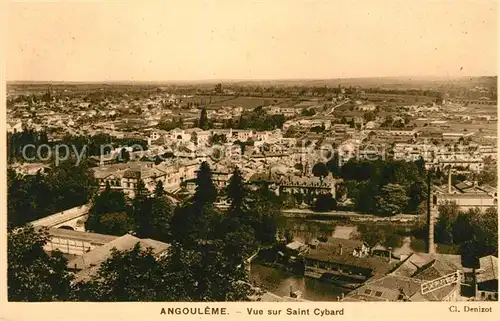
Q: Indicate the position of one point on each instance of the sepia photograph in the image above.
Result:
(248, 151)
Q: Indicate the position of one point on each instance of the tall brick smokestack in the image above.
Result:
(430, 220)
(449, 180)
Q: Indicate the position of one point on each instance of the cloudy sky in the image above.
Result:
(195, 40)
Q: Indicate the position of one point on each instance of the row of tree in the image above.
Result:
(94, 145)
(16, 142)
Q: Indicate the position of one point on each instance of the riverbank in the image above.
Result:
(280, 282)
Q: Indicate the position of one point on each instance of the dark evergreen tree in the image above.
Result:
(142, 208)
(236, 193)
(203, 121)
(159, 190)
(206, 192)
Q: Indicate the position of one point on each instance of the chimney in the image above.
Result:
(449, 180)
(430, 218)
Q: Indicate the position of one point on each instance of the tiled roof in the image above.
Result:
(133, 174)
(311, 181)
(397, 288)
(83, 236)
(488, 269)
(91, 260)
(377, 264)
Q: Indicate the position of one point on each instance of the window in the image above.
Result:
(378, 294)
(368, 291)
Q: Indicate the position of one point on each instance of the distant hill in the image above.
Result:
(382, 82)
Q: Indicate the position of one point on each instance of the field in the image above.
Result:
(232, 101)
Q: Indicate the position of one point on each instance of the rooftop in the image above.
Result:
(488, 269)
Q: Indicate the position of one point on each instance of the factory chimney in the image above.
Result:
(449, 180)
(430, 219)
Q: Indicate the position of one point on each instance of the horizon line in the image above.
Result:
(251, 79)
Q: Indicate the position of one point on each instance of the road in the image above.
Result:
(333, 108)
(351, 215)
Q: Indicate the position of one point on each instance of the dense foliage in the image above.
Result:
(465, 228)
(383, 187)
(31, 197)
(258, 119)
(34, 275)
(94, 145)
(205, 262)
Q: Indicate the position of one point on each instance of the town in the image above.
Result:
(211, 158)
(367, 193)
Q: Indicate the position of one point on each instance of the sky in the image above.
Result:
(197, 40)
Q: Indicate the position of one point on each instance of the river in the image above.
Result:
(278, 282)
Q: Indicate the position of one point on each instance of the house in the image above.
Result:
(297, 248)
(87, 265)
(487, 279)
(306, 185)
(405, 282)
(126, 176)
(346, 259)
(467, 195)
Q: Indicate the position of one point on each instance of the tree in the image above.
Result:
(217, 139)
(448, 214)
(159, 190)
(124, 155)
(486, 232)
(462, 228)
(142, 209)
(320, 170)
(420, 163)
(325, 203)
(371, 235)
(236, 194)
(208, 273)
(197, 219)
(116, 223)
(107, 202)
(333, 164)
(133, 275)
(488, 176)
(203, 121)
(161, 219)
(417, 194)
(266, 214)
(299, 167)
(205, 193)
(392, 199)
(34, 275)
